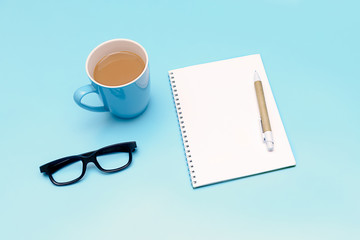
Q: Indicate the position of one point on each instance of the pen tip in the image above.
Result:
(270, 146)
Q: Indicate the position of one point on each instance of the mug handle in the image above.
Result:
(82, 92)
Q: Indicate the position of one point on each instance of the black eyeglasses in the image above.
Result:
(68, 170)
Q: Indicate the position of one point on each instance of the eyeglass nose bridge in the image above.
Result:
(89, 157)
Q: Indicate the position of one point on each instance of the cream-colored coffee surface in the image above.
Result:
(118, 68)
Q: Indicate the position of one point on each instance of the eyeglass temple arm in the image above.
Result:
(121, 147)
(57, 164)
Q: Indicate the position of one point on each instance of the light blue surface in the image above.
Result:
(311, 52)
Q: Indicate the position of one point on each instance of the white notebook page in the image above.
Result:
(220, 124)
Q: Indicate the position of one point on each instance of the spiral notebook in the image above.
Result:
(219, 121)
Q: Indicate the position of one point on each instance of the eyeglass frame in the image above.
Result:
(53, 166)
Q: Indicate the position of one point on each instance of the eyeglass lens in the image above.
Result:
(69, 172)
(113, 160)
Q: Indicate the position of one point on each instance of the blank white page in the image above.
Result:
(220, 122)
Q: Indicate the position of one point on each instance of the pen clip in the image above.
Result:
(262, 130)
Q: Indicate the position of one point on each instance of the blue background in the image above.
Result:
(311, 53)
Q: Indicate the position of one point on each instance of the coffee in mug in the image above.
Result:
(118, 68)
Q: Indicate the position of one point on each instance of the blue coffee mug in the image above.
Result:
(125, 101)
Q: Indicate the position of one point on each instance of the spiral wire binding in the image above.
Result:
(182, 128)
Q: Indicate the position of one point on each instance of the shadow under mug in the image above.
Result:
(124, 101)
